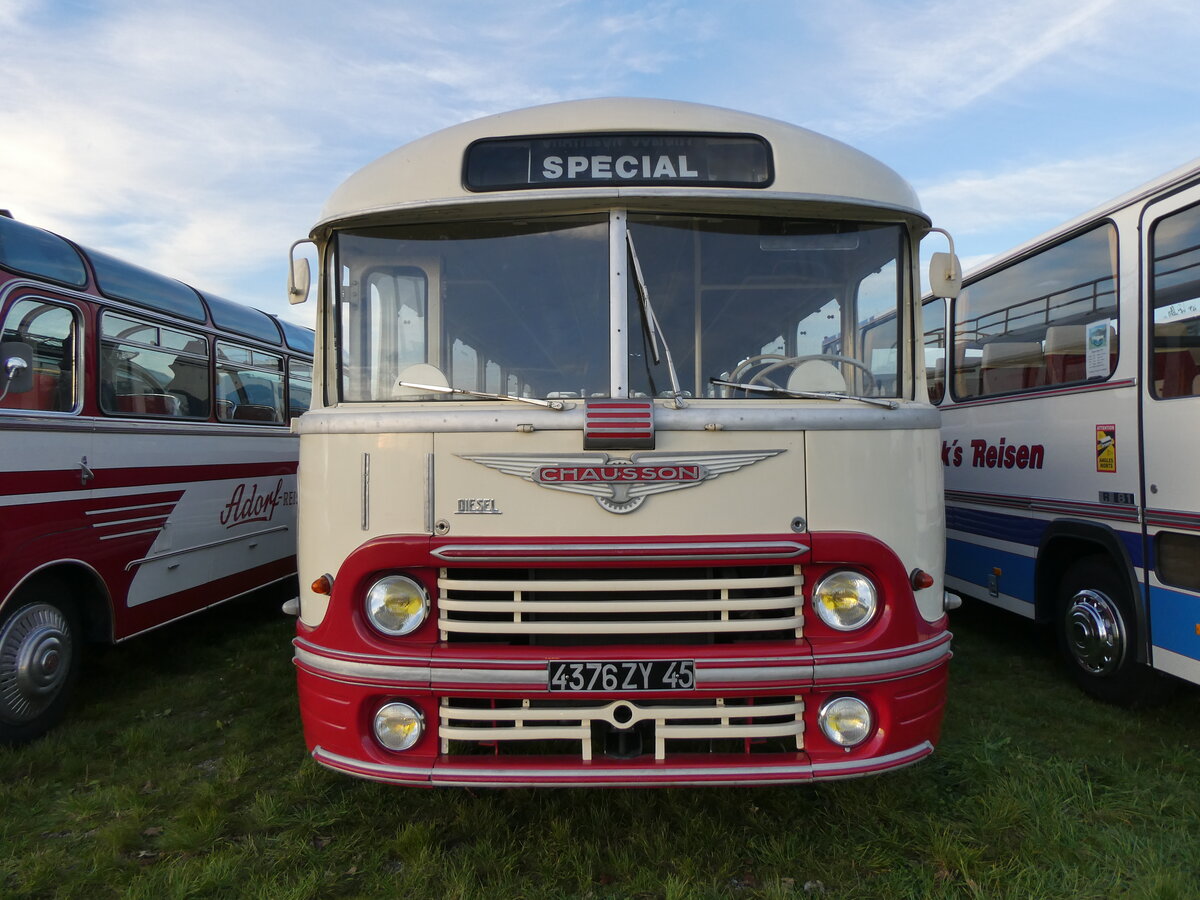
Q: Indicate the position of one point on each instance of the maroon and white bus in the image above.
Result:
(148, 470)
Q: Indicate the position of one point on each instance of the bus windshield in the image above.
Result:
(526, 308)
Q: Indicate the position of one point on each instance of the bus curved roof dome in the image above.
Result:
(428, 172)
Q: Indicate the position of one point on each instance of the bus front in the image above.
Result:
(616, 473)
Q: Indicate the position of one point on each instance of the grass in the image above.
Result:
(181, 772)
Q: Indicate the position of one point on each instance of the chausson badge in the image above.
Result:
(621, 485)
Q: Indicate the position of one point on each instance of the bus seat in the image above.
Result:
(43, 397)
(1176, 371)
(1066, 353)
(149, 404)
(935, 380)
(1011, 366)
(255, 412)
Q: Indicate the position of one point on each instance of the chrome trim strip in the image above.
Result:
(618, 304)
(462, 416)
(449, 774)
(209, 545)
(534, 673)
(606, 552)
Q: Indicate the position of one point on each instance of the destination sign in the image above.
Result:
(605, 160)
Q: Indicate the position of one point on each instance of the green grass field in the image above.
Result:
(182, 772)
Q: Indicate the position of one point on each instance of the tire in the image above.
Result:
(39, 663)
(1098, 636)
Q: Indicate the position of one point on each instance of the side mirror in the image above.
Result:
(945, 275)
(945, 272)
(16, 367)
(299, 276)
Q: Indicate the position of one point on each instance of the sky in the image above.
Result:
(201, 138)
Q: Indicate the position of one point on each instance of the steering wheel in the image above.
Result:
(778, 361)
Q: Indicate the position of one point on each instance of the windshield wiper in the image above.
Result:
(556, 405)
(804, 395)
(651, 322)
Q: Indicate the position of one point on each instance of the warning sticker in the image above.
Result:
(1106, 448)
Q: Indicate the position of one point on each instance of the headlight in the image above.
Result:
(396, 605)
(846, 721)
(844, 600)
(398, 726)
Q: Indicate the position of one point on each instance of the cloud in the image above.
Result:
(201, 139)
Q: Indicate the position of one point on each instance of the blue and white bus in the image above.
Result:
(1068, 374)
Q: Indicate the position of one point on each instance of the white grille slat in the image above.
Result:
(641, 585)
(699, 626)
(607, 602)
(713, 719)
(619, 606)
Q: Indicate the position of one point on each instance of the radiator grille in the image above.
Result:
(741, 725)
(574, 606)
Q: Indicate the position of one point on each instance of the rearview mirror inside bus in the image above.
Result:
(16, 374)
(945, 275)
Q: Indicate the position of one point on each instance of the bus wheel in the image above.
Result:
(1097, 633)
(39, 659)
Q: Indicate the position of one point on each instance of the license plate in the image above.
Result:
(615, 677)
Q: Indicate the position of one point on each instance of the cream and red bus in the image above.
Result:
(1071, 404)
(588, 496)
(147, 472)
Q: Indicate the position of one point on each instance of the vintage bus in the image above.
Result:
(587, 498)
(148, 470)
(1069, 382)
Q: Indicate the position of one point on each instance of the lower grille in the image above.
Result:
(574, 606)
(621, 728)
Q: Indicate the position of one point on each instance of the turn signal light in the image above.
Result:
(323, 585)
(920, 579)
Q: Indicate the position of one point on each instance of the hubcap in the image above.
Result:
(35, 661)
(1095, 633)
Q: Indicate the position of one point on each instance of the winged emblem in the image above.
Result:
(620, 485)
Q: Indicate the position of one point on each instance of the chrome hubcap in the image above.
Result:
(35, 660)
(1095, 633)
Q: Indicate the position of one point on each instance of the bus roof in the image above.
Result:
(427, 174)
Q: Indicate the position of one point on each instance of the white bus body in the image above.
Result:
(584, 484)
(1071, 403)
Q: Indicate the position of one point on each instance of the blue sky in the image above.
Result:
(201, 138)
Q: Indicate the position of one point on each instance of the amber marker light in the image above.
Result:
(323, 585)
(920, 579)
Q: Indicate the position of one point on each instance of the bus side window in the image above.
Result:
(300, 376)
(148, 369)
(933, 313)
(50, 330)
(1043, 321)
(1175, 339)
(249, 385)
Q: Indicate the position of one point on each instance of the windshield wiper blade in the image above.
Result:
(556, 405)
(804, 395)
(652, 326)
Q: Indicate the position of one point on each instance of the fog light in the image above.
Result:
(397, 605)
(846, 721)
(398, 726)
(844, 600)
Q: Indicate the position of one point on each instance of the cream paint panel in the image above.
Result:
(887, 484)
(761, 497)
(331, 523)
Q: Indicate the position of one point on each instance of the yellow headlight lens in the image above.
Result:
(398, 726)
(845, 600)
(397, 605)
(846, 721)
